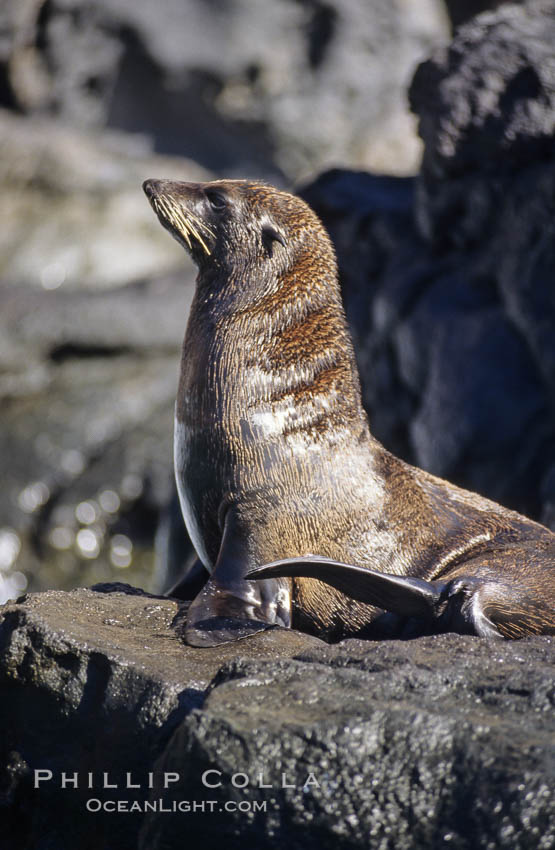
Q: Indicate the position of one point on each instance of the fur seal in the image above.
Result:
(279, 477)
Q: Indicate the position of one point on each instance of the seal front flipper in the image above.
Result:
(228, 607)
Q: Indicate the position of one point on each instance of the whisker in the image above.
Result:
(183, 223)
(189, 225)
(203, 225)
(199, 237)
(177, 219)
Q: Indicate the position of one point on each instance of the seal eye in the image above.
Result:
(216, 200)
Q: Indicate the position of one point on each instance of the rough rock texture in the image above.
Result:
(486, 105)
(275, 88)
(93, 681)
(449, 279)
(462, 10)
(436, 741)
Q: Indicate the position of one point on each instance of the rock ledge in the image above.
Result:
(404, 744)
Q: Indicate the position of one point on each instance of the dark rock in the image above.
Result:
(95, 681)
(526, 272)
(413, 745)
(486, 105)
(498, 399)
(548, 497)
(405, 744)
(486, 102)
(462, 10)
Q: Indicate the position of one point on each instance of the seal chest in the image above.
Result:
(279, 477)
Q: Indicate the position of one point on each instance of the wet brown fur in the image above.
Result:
(270, 401)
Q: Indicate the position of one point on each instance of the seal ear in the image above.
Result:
(270, 235)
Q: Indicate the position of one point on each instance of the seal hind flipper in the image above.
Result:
(229, 608)
(466, 604)
(495, 608)
(407, 596)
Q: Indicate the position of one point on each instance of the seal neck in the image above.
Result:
(282, 366)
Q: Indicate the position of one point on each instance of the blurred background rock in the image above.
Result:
(448, 276)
